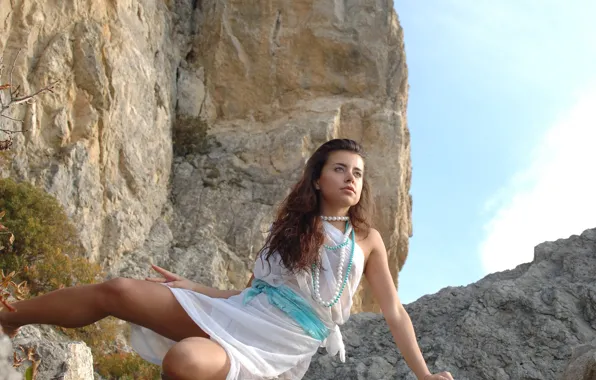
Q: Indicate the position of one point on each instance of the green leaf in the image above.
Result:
(29, 373)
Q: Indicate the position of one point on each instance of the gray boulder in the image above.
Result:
(7, 372)
(58, 357)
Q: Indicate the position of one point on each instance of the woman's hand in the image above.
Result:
(171, 279)
(439, 376)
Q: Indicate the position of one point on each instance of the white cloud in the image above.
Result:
(553, 197)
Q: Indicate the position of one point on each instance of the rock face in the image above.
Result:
(58, 357)
(6, 370)
(279, 81)
(537, 321)
(102, 143)
(179, 125)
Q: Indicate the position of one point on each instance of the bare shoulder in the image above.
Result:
(370, 242)
(375, 235)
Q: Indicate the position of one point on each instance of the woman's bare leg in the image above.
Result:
(196, 359)
(141, 302)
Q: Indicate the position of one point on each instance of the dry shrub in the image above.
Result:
(40, 247)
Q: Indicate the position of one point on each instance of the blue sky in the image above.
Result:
(502, 114)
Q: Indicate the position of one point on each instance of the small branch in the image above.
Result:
(14, 98)
(24, 99)
(16, 90)
(49, 88)
(11, 70)
(5, 303)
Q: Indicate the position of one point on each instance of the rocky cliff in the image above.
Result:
(178, 125)
(535, 322)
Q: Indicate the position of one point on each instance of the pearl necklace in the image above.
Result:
(340, 285)
(335, 218)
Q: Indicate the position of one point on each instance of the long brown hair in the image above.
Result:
(297, 232)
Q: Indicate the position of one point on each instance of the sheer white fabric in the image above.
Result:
(261, 341)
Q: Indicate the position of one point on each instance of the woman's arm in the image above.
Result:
(214, 292)
(380, 280)
(217, 293)
(176, 281)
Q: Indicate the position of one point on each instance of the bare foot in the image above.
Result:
(10, 331)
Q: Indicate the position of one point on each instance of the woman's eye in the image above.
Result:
(358, 174)
(338, 169)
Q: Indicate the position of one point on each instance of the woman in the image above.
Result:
(301, 290)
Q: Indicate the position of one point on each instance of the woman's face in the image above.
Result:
(341, 179)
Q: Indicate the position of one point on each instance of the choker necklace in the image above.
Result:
(335, 218)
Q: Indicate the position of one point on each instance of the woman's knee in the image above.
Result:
(196, 358)
(180, 360)
(113, 291)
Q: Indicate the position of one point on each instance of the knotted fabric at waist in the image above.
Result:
(296, 307)
(334, 344)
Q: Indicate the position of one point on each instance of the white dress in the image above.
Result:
(262, 342)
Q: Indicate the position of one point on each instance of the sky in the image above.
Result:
(502, 116)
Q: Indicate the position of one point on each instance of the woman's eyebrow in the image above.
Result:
(345, 166)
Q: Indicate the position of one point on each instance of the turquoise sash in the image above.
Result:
(285, 299)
